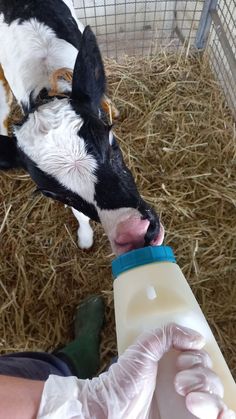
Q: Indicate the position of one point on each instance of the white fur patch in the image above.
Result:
(50, 138)
(30, 53)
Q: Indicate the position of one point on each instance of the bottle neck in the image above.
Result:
(142, 257)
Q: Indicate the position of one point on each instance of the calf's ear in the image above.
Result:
(9, 153)
(89, 81)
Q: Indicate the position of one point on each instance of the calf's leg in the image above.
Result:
(85, 232)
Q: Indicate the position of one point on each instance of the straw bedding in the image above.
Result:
(179, 139)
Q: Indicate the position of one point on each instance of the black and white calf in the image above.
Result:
(64, 142)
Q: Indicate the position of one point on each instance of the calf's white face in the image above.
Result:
(74, 160)
(50, 138)
(71, 153)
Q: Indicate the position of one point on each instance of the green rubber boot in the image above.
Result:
(82, 354)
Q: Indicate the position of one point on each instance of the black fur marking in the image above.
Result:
(116, 187)
(50, 187)
(89, 81)
(96, 135)
(9, 153)
(53, 13)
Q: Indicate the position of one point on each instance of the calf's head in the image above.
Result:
(73, 156)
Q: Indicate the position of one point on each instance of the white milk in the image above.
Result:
(150, 291)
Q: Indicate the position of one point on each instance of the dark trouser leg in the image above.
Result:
(33, 365)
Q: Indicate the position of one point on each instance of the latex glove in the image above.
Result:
(201, 387)
(126, 390)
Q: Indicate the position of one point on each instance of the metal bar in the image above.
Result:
(224, 43)
(229, 22)
(205, 24)
(180, 35)
(227, 88)
(175, 27)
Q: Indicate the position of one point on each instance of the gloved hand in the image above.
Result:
(201, 387)
(126, 390)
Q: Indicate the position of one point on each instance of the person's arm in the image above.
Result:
(126, 389)
(19, 398)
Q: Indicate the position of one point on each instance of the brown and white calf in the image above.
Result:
(64, 140)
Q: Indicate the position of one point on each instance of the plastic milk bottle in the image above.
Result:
(150, 291)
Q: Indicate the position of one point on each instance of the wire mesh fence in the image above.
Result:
(143, 27)
(221, 48)
(139, 27)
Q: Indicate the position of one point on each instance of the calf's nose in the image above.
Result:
(130, 234)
